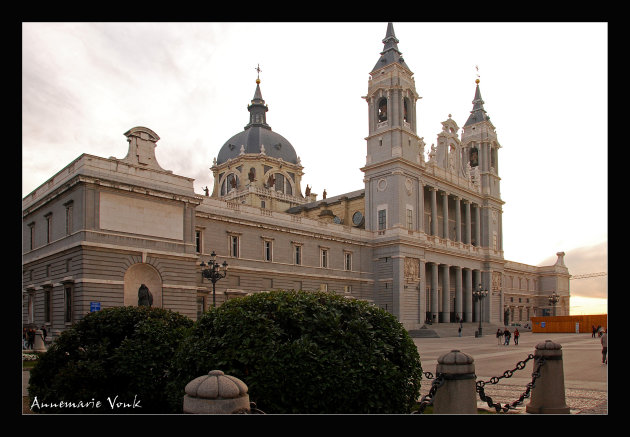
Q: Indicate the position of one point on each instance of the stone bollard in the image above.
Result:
(38, 343)
(458, 395)
(547, 396)
(216, 393)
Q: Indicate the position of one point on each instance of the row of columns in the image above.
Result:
(465, 280)
(458, 219)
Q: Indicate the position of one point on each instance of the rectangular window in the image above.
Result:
(67, 296)
(68, 219)
(47, 304)
(234, 246)
(198, 241)
(32, 235)
(347, 261)
(267, 250)
(30, 309)
(409, 219)
(382, 219)
(201, 306)
(297, 258)
(48, 227)
(347, 289)
(324, 258)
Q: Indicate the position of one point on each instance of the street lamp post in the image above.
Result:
(479, 294)
(214, 272)
(553, 300)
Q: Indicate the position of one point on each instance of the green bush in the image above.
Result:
(120, 355)
(304, 352)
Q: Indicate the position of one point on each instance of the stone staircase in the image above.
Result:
(440, 330)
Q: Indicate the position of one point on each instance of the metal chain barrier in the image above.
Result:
(508, 374)
(428, 398)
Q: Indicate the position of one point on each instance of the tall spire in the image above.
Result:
(477, 114)
(390, 53)
(257, 109)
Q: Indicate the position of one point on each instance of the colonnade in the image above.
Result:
(439, 308)
(471, 235)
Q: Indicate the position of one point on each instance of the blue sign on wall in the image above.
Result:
(95, 306)
(542, 324)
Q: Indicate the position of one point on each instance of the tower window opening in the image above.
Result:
(405, 110)
(382, 110)
(473, 157)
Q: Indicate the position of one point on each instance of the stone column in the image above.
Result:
(458, 293)
(458, 220)
(478, 225)
(422, 293)
(445, 316)
(548, 396)
(468, 300)
(445, 214)
(434, 223)
(458, 395)
(420, 207)
(468, 226)
(434, 292)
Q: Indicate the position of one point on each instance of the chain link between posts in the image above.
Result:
(439, 381)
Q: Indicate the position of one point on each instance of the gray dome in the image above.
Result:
(257, 133)
(251, 138)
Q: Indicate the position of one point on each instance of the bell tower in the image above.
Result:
(392, 138)
(481, 148)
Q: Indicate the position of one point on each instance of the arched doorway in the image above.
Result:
(139, 274)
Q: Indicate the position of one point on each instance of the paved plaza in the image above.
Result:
(585, 377)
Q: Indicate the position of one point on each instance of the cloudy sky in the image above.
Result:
(544, 85)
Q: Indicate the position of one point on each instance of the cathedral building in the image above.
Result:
(422, 239)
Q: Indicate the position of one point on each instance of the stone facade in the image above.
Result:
(101, 227)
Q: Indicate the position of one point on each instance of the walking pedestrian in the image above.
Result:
(499, 336)
(507, 334)
(24, 338)
(31, 338)
(594, 331)
(516, 334)
(604, 341)
(459, 331)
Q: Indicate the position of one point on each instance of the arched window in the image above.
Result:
(281, 184)
(230, 183)
(382, 110)
(473, 157)
(406, 110)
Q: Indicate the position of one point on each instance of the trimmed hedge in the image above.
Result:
(120, 355)
(304, 352)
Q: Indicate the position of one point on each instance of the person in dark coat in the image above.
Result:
(31, 338)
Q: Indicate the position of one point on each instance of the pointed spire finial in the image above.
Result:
(477, 80)
(258, 73)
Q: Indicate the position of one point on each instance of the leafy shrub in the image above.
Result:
(119, 355)
(305, 352)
